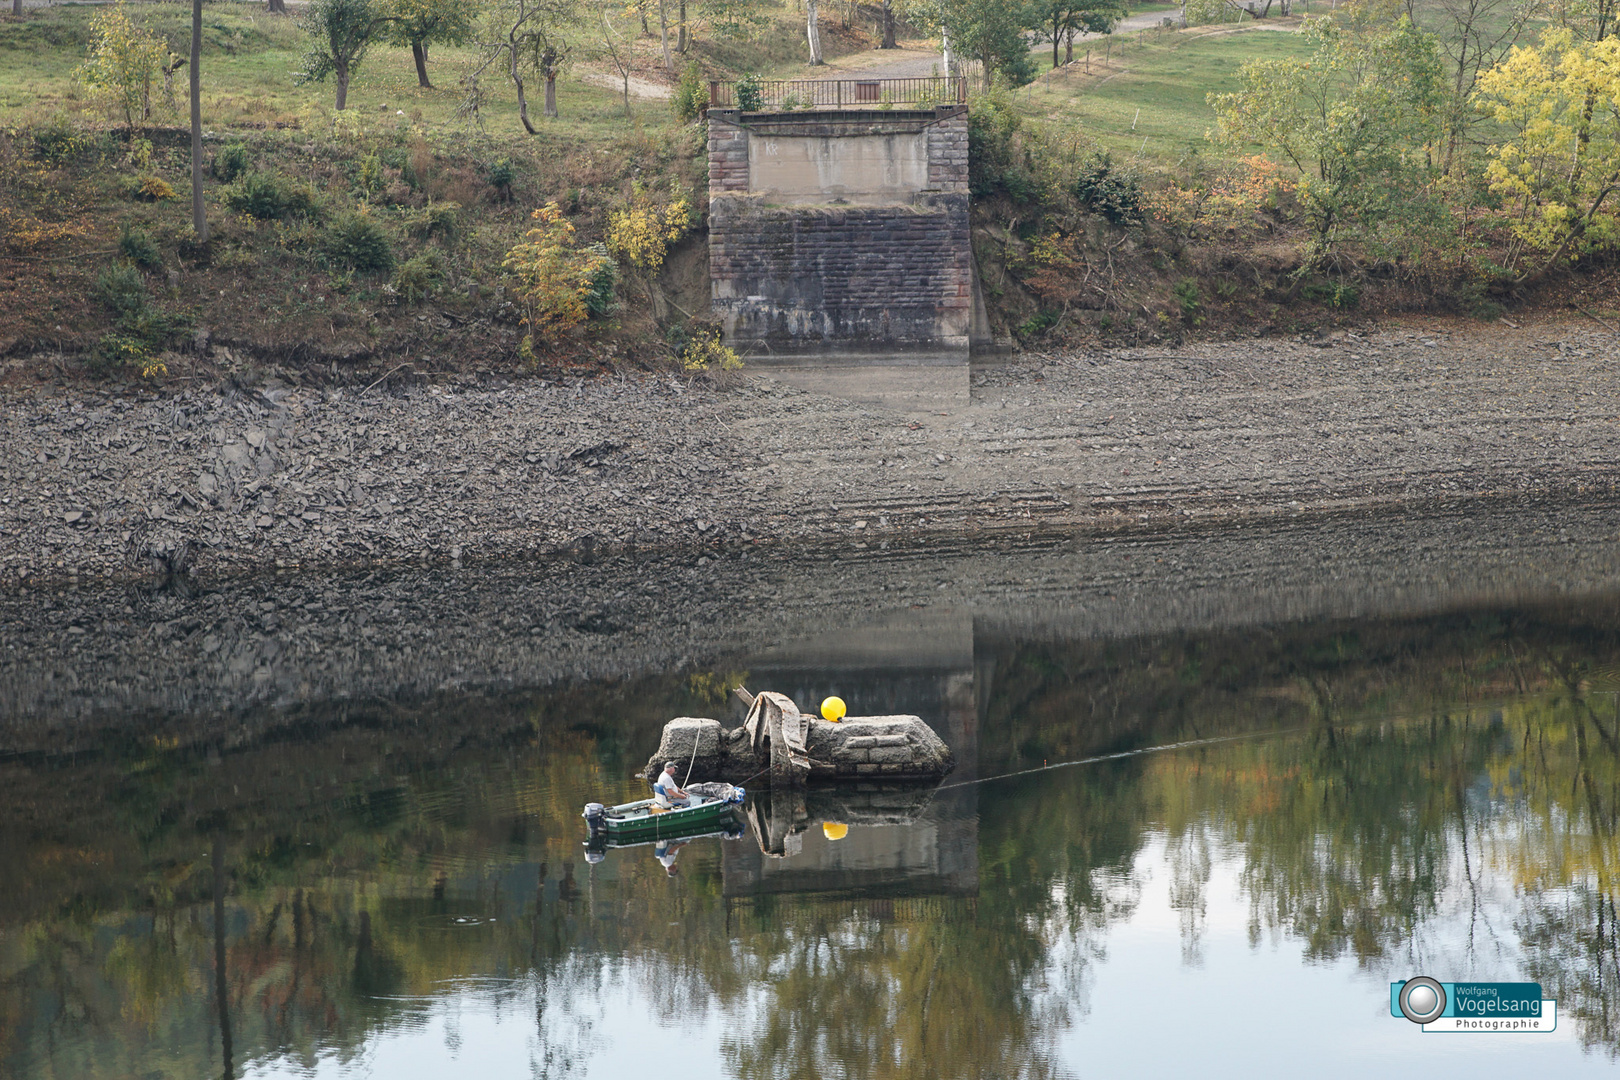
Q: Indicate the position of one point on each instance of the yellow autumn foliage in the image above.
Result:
(553, 275)
(1559, 170)
(642, 233)
(125, 62)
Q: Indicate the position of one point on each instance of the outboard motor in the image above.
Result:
(595, 817)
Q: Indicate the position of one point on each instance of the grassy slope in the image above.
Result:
(268, 282)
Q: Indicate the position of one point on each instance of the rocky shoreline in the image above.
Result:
(221, 481)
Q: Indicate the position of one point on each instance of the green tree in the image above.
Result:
(993, 32)
(419, 23)
(1359, 118)
(125, 60)
(341, 31)
(1561, 167)
(1063, 19)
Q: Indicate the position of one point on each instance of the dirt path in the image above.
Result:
(102, 485)
(918, 59)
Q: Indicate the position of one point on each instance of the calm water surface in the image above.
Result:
(389, 891)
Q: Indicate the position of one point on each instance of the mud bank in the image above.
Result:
(226, 481)
(246, 656)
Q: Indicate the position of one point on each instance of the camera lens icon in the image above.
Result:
(1422, 1000)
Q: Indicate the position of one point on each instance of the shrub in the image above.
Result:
(999, 157)
(57, 140)
(231, 163)
(116, 352)
(122, 289)
(1339, 295)
(124, 64)
(359, 242)
(703, 352)
(155, 189)
(370, 177)
(142, 328)
(501, 174)
(268, 197)
(750, 94)
(1188, 297)
(437, 219)
(138, 247)
(1037, 324)
(1107, 190)
(691, 95)
(641, 233)
(553, 276)
(417, 276)
(601, 282)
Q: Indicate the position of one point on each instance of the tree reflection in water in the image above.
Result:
(1445, 797)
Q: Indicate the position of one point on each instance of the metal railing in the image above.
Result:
(786, 95)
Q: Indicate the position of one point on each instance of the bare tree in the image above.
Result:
(1477, 35)
(663, 34)
(617, 51)
(199, 213)
(534, 40)
(812, 32)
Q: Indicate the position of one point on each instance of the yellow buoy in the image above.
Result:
(834, 830)
(833, 709)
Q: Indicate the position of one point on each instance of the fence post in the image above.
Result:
(714, 92)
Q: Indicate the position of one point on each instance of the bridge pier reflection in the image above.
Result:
(872, 839)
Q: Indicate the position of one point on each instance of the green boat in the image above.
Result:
(639, 822)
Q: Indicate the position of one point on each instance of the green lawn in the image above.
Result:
(250, 65)
(1151, 100)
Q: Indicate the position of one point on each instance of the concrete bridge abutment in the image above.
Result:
(840, 237)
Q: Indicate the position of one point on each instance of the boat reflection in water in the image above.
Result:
(855, 840)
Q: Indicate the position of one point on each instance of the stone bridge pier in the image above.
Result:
(840, 249)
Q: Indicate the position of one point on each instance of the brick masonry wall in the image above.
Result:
(948, 155)
(728, 156)
(854, 277)
(801, 277)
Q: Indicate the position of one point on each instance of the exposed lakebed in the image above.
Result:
(232, 479)
(1388, 749)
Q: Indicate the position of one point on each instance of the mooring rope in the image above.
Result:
(697, 741)
(1122, 754)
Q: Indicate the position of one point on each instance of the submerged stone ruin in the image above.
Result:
(792, 746)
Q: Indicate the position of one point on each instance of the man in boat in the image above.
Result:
(666, 792)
